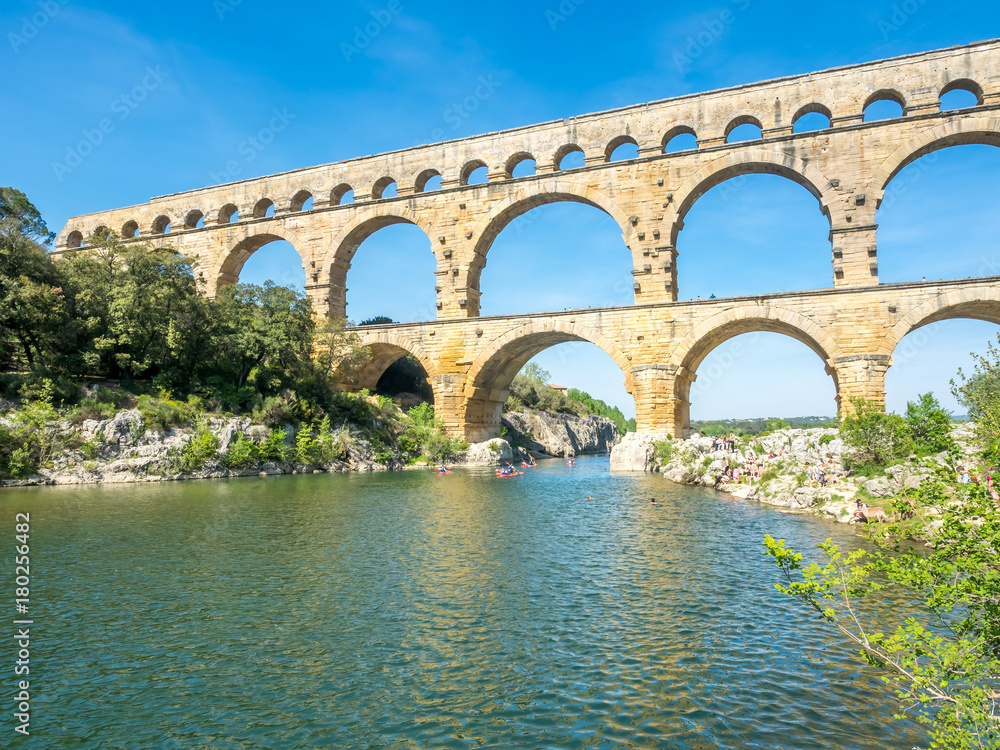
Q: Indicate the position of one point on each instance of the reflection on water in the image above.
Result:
(416, 611)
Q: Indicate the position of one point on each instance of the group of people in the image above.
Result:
(754, 465)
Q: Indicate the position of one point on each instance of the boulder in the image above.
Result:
(124, 429)
(635, 452)
(879, 487)
(490, 453)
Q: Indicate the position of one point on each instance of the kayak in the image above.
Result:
(506, 476)
(442, 473)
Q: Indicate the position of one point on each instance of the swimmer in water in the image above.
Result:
(652, 500)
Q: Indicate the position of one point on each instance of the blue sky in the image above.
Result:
(210, 74)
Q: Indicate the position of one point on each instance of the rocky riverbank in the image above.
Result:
(787, 458)
(548, 434)
(125, 449)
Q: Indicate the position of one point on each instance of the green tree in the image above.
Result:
(980, 393)
(34, 311)
(268, 328)
(129, 298)
(15, 206)
(929, 424)
(944, 664)
(340, 351)
(535, 372)
(876, 437)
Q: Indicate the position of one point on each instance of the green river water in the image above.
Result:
(407, 610)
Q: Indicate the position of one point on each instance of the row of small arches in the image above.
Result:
(883, 104)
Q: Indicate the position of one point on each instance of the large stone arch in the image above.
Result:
(688, 354)
(366, 222)
(980, 302)
(743, 161)
(532, 195)
(490, 375)
(957, 131)
(243, 243)
(385, 347)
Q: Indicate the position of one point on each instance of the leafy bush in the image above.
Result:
(242, 454)
(876, 437)
(273, 448)
(929, 424)
(166, 413)
(827, 439)
(202, 447)
(664, 450)
(307, 448)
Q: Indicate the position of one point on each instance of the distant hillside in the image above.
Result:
(756, 426)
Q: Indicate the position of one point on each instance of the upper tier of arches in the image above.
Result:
(364, 182)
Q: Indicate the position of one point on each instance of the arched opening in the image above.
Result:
(757, 375)
(342, 194)
(264, 208)
(263, 258)
(937, 218)
(492, 374)
(388, 269)
(385, 188)
(812, 117)
(752, 233)
(622, 148)
(745, 128)
(475, 173)
(521, 164)
(130, 230)
(161, 225)
(394, 372)
(429, 179)
(884, 105)
(680, 138)
(555, 256)
(569, 157)
(961, 94)
(102, 232)
(74, 238)
(229, 214)
(927, 359)
(302, 201)
(194, 220)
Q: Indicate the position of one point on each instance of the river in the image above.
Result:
(408, 610)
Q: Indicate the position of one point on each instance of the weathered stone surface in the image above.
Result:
(635, 452)
(564, 434)
(489, 453)
(879, 487)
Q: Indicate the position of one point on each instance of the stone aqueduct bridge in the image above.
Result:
(853, 325)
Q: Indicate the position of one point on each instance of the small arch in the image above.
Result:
(424, 181)
(622, 148)
(194, 219)
(74, 238)
(565, 157)
(474, 173)
(885, 104)
(102, 232)
(263, 208)
(744, 128)
(161, 225)
(130, 229)
(229, 214)
(680, 138)
(384, 349)
(521, 164)
(342, 195)
(384, 188)
(961, 94)
(300, 200)
(811, 117)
